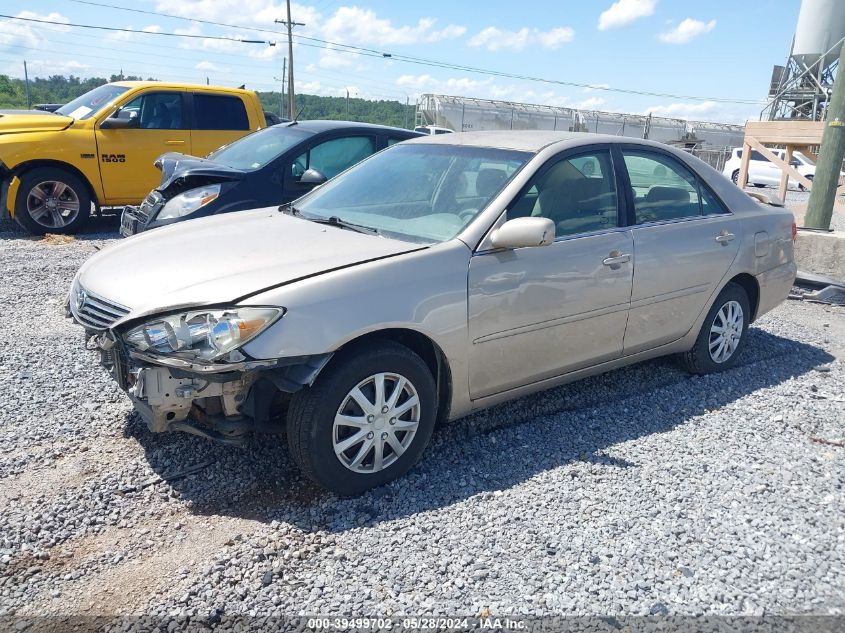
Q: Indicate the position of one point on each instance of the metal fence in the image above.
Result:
(716, 158)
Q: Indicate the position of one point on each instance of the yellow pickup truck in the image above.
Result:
(99, 149)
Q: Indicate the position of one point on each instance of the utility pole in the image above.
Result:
(26, 83)
(831, 152)
(407, 99)
(289, 23)
(282, 93)
(347, 104)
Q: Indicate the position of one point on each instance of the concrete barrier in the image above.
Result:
(821, 253)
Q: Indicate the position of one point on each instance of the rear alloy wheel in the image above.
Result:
(52, 200)
(735, 177)
(722, 334)
(366, 420)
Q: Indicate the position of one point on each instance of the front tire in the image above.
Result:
(723, 333)
(52, 200)
(366, 420)
(735, 177)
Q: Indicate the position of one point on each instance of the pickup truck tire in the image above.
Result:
(52, 200)
(367, 401)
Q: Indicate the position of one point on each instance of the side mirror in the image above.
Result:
(116, 122)
(523, 233)
(312, 177)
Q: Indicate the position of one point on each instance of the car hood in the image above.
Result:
(23, 121)
(224, 258)
(180, 171)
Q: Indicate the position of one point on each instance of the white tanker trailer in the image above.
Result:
(464, 114)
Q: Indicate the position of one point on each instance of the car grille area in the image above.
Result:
(95, 312)
(149, 203)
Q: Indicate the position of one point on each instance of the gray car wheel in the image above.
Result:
(52, 200)
(723, 333)
(366, 420)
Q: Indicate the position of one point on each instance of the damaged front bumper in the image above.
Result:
(222, 402)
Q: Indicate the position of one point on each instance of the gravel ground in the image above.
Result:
(642, 491)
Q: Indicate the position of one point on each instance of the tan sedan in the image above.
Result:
(440, 276)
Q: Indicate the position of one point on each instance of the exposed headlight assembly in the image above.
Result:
(206, 335)
(188, 202)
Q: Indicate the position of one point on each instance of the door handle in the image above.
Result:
(174, 142)
(616, 258)
(724, 237)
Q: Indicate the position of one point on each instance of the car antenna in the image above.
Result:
(298, 114)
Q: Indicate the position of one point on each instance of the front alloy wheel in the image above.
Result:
(52, 200)
(367, 418)
(52, 204)
(376, 423)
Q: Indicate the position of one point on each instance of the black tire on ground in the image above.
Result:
(698, 360)
(735, 176)
(312, 411)
(75, 191)
(802, 187)
(759, 186)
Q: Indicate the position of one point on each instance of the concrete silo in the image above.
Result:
(801, 88)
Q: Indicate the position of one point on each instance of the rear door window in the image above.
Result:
(662, 188)
(219, 112)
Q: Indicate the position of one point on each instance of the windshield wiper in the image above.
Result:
(331, 220)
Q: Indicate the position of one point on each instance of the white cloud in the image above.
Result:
(686, 31)
(125, 36)
(624, 12)
(363, 26)
(31, 34)
(494, 39)
(45, 67)
(452, 85)
(210, 66)
(260, 13)
(705, 111)
(332, 58)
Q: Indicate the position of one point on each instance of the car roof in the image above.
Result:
(527, 140)
(173, 85)
(316, 126)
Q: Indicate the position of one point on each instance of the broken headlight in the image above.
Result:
(188, 202)
(202, 334)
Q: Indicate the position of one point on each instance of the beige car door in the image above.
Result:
(685, 241)
(535, 313)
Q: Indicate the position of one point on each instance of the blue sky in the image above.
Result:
(718, 50)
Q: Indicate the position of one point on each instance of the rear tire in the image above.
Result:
(735, 177)
(723, 333)
(345, 407)
(52, 200)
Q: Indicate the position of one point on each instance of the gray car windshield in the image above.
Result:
(256, 150)
(92, 101)
(417, 192)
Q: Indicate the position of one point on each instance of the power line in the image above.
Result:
(369, 52)
(114, 28)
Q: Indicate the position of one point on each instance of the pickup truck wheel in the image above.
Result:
(366, 420)
(722, 334)
(52, 200)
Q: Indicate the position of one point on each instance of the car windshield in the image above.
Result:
(255, 150)
(419, 192)
(92, 102)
